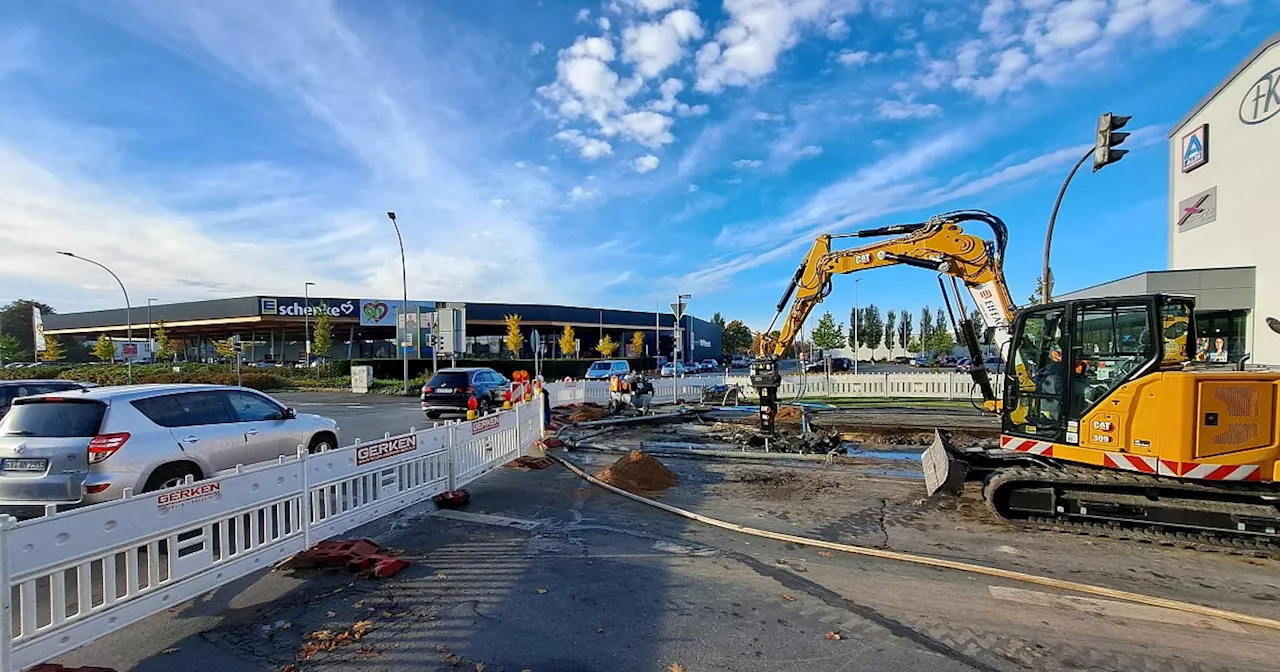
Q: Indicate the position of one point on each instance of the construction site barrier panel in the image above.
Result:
(878, 385)
(72, 577)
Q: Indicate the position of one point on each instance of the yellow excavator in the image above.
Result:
(1107, 423)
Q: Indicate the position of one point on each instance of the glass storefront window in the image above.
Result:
(1220, 336)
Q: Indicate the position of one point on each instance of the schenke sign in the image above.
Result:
(294, 306)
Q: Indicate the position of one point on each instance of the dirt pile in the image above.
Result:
(638, 473)
(789, 413)
(587, 413)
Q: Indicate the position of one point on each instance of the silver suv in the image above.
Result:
(87, 446)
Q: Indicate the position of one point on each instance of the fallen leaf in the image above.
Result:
(289, 668)
(171, 650)
(825, 554)
(542, 591)
(480, 667)
(358, 604)
(367, 651)
(789, 597)
(676, 667)
(361, 627)
(287, 625)
(833, 636)
(387, 614)
(442, 575)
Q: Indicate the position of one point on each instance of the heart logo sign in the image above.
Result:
(347, 308)
(374, 312)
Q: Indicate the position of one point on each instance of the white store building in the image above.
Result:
(1224, 215)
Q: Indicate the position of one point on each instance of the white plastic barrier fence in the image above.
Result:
(666, 390)
(879, 385)
(73, 577)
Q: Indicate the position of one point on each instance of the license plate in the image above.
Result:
(445, 390)
(24, 464)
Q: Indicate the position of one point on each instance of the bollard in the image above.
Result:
(506, 400)
(471, 408)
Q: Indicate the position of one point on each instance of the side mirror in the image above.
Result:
(290, 413)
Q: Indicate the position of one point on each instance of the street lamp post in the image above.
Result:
(404, 308)
(306, 322)
(1046, 279)
(149, 302)
(128, 310)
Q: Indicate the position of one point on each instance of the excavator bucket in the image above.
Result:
(943, 471)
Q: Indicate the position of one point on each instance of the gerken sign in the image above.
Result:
(179, 496)
(292, 306)
(485, 424)
(372, 452)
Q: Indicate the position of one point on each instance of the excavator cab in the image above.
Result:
(1067, 357)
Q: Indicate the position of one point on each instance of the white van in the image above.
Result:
(607, 368)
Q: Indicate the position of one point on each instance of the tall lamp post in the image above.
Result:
(306, 322)
(149, 302)
(404, 308)
(128, 310)
(856, 315)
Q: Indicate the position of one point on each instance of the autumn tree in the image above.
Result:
(737, 338)
(827, 335)
(637, 343)
(757, 342)
(568, 342)
(890, 330)
(515, 339)
(165, 351)
(322, 340)
(53, 351)
(104, 349)
(606, 346)
(225, 349)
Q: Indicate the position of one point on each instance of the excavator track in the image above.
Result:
(1207, 516)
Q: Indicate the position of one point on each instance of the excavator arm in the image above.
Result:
(940, 245)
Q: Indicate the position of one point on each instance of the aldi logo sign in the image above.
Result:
(382, 450)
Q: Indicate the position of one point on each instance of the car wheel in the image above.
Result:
(171, 476)
(433, 415)
(321, 444)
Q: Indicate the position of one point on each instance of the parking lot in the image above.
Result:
(545, 572)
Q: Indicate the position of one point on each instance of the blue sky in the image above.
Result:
(588, 153)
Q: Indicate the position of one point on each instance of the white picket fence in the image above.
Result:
(76, 576)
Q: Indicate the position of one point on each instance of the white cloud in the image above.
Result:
(747, 48)
(646, 163)
(691, 189)
(646, 127)
(765, 116)
(583, 15)
(669, 89)
(692, 110)
(537, 48)
(853, 57)
(603, 22)
(656, 6)
(654, 47)
(748, 163)
(905, 109)
(837, 30)
(810, 151)
(588, 148)
(580, 193)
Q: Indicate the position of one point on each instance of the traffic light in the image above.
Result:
(1104, 152)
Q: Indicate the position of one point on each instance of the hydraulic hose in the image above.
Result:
(1060, 584)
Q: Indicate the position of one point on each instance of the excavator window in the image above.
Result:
(1034, 396)
(1110, 343)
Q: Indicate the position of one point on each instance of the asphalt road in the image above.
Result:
(360, 416)
(544, 572)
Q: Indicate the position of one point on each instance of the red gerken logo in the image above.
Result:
(485, 424)
(383, 449)
(180, 496)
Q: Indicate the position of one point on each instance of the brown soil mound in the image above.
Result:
(789, 413)
(638, 473)
(587, 413)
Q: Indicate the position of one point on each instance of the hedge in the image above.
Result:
(210, 374)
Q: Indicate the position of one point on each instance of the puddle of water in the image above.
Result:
(854, 451)
(895, 473)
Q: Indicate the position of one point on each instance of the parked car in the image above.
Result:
(740, 362)
(86, 446)
(450, 390)
(963, 365)
(902, 359)
(673, 369)
(606, 368)
(12, 389)
(838, 364)
(710, 364)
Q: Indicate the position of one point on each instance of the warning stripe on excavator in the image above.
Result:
(1148, 465)
(1027, 446)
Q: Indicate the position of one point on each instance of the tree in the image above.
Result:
(606, 346)
(855, 329)
(905, 331)
(873, 325)
(53, 351)
(943, 341)
(942, 323)
(515, 339)
(568, 342)
(165, 351)
(322, 340)
(104, 349)
(718, 320)
(16, 321)
(637, 343)
(1037, 294)
(827, 335)
(224, 349)
(736, 339)
(890, 330)
(10, 349)
(926, 327)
